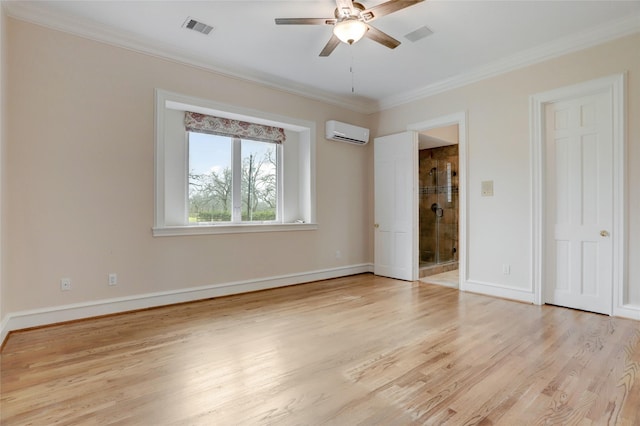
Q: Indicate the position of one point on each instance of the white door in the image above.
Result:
(579, 214)
(395, 210)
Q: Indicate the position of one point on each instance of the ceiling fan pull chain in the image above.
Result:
(353, 90)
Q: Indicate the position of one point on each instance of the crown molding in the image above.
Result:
(31, 13)
(598, 35)
(28, 12)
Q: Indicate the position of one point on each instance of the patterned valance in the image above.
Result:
(201, 123)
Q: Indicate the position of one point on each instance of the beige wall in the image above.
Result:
(498, 150)
(80, 153)
(445, 133)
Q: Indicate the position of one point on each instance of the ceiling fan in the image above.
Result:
(351, 23)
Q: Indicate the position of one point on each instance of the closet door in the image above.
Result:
(580, 203)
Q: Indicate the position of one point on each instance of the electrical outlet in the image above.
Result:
(113, 279)
(65, 284)
(506, 269)
(338, 254)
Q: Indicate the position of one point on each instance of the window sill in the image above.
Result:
(173, 231)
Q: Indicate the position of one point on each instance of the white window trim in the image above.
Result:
(163, 99)
(237, 228)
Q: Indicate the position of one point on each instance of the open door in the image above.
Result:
(395, 207)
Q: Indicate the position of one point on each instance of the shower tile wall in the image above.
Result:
(433, 187)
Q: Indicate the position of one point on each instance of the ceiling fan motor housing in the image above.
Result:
(347, 12)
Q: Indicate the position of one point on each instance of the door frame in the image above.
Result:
(459, 118)
(615, 85)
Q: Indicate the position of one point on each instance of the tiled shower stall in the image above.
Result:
(438, 183)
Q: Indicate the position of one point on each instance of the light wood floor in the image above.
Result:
(448, 279)
(355, 350)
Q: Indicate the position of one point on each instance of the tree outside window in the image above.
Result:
(212, 165)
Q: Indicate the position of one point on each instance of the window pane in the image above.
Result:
(209, 178)
(259, 186)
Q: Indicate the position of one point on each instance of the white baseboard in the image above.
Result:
(489, 289)
(46, 316)
(627, 311)
(56, 314)
(497, 290)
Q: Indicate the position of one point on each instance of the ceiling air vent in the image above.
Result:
(419, 34)
(200, 27)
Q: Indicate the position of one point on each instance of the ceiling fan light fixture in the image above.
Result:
(350, 30)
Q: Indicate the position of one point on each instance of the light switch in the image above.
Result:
(487, 188)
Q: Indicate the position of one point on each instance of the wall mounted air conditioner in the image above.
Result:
(343, 132)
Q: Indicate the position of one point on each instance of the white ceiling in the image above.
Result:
(471, 40)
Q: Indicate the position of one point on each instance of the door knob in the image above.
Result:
(604, 233)
(377, 225)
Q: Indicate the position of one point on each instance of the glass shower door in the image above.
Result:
(438, 213)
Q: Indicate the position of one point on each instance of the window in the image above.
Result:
(217, 164)
(210, 178)
(208, 183)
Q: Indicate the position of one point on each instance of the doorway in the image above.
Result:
(446, 256)
(438, 189)
(396, 200)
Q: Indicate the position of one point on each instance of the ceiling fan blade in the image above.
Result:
(330, 46)
(387, 8)
(305, 21)
(382, 38)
